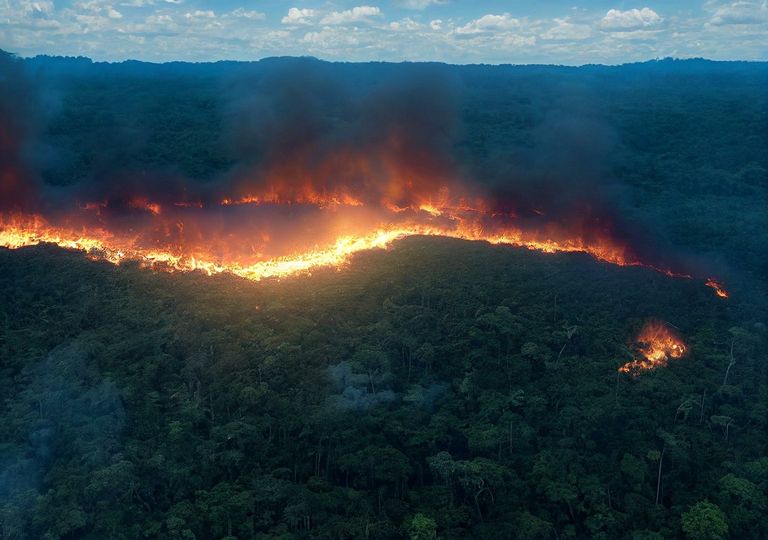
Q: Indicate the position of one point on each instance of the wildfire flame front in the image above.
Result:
(657, 344)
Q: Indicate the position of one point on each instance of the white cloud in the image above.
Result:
(354, 15)
(36, 9)
(159, 19)
(92, 22)
(161, 30)
(331, 39)
(200, 14)
(632, 19)
(299, 16)
(741, 13)
(247, 14)
(278, 34)
(565, 30)
(514, 40)
(405, 24)
(490, 23)
(91, 5)
(98, 7)
(419, 4)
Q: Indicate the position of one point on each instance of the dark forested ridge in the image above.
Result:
(438, 389)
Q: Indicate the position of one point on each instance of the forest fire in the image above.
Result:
(317, 181)
(182, 244)
(657, 344)
(184, 237)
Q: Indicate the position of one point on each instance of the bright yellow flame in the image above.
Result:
(102, 244)
(19, 231)
(657, 344)
(428, 208)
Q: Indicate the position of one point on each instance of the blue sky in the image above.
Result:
(457, 31)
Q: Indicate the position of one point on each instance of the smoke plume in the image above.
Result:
(17, 184)
(328, 159)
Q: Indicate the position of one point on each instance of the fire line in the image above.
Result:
(176, 236)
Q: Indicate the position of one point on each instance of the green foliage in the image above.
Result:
(185, 406)
(422, 527)
(704, 521)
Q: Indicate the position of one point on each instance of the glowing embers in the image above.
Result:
(719, 289)
(307, 198)
(657, 344)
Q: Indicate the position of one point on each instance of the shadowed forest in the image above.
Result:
(435, 389)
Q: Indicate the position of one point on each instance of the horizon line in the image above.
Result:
(327, 61)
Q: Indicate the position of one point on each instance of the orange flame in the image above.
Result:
(141, 203)
(657, 344)
(719, 289)
(100, 243)
(179, 236)
(307, 198)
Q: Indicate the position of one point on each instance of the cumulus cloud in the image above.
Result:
(514, 40)
(299, 16)
(162, 30)
(200, 14)
(741, 13)
(36, 9)
(159, 20)
(354, 15)
(632, 19)
(405, 24)
(490, 23)
(419, 4)
(565, 30)
(248, 14)
(331, 40)
(96, 7)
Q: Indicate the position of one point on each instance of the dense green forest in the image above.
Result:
(437, 389)
(417, 392)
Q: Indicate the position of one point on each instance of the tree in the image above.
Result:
(704, 521)
(422, 527)
(745, 504)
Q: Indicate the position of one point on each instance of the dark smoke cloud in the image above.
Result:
(296, 127)
(380, 133)
(305, 123)
(563, 177)
(561, 169)
(17, 123)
